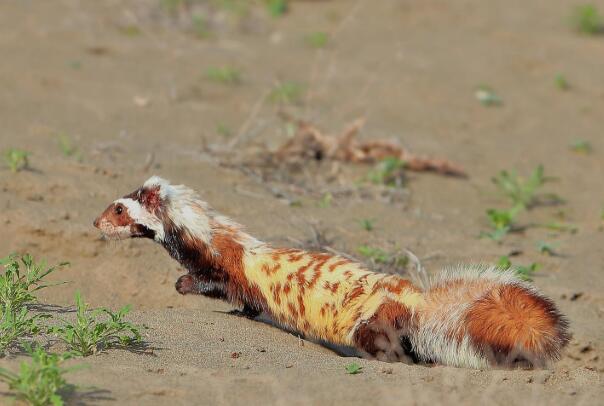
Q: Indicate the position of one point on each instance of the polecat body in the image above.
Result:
(469, 317)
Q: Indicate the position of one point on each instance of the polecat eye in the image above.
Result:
(118, 209)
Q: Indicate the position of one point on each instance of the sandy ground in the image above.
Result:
(126, 82)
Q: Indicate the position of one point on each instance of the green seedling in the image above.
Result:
(563, 227)
(277, 8)
(523, 272)
(16, 159)
(199, 25)
(561, 82)
(225, 75)
(353, 368)
(90, 335)
(287, 93)
(326, 200)
(66, 145)
(237, 8)
(487, 96)
(317, 39)
(224, 130)
(367, 224)
(502, 222)
(521, 192)
(20, 279)
(581, 146)
(130, 30)
(172, 6)
(376, 255)
(587, 20)
(545, 248)
(40, 381)
(15, 325)
(390, 172)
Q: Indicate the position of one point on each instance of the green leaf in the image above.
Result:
(353, 368)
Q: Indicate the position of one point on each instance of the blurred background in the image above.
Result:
(465, 131)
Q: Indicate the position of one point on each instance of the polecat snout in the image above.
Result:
(473, 316)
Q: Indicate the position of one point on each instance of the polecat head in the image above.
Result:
(152, 210)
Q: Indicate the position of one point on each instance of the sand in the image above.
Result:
(126, 83)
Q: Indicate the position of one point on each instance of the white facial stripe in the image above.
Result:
(140, 215)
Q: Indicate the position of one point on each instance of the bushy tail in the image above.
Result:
(483, 317)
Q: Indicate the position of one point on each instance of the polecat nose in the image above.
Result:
(96, 222)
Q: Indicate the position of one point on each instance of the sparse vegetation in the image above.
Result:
(66, 145)
(487, 96)
(17, 285)
(15, 325)
(226, 75)
(353, 368)
(326, 200)
(40, 381)
(367, 224)
(224, 130)
(521, 192)
(561, 82)
(380, 257)
(563, 227)
(390, 172)
(318, 39)
(581, 146)
(502, 222)
(89, 335)
(199, 24)
(523, 272)
(17, 288)
(277, 8)
(587, 20)
(287, 93)
(376, 255)
(545, 248)
(16, 159)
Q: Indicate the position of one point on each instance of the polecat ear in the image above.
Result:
(150, 198)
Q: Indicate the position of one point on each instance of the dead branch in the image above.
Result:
(310, 143)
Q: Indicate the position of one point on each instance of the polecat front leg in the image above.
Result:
(199, 284)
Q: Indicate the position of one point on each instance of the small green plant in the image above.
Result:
(287, 93)
(353, 368)
(224, 130)
(587, 20)
(390, 172)
(376, 255)
(521, 192)
(487, 96)
(545, 248)
(502, 222)
(326, 200)
(523, 272)
(40, 381)
(17, 285)
(130, 30)
(277, 8)
(89, 335)
(226, 75)
(15, 325)
(563, 227)
(16, 159)
(66, 145)
(561, 82)
(199, 24)
(367, 224)
(317, 39)
(581, 146)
